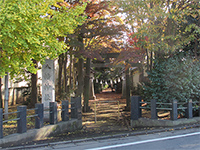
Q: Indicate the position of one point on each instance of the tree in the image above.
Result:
(87, 36)
(174, 78)
(34, 27)
(1, 101)
(162, 22)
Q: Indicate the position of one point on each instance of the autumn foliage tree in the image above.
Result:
(29, 33)
(89, 39)
(169, 25)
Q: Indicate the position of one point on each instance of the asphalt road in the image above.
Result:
(173, 140)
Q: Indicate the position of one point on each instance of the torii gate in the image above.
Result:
(87, 80)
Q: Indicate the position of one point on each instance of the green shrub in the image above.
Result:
(174, 78)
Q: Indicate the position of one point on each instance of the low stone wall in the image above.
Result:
(39, 134)
(146, 122)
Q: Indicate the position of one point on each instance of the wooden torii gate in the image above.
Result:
(107, 63)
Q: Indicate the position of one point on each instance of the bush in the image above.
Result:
(174, 78)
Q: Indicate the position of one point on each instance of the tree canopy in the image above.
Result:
(169, 25)
(29, 30)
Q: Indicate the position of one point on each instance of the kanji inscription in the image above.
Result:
(48, 83)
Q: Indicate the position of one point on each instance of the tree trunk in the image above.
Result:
(128, 101)
(151, 61)
(65, 74)
(34, 93)
(1, 100)
(79, 91)
(60, 62)
(147, 54)
(70, 74)
(87, 86)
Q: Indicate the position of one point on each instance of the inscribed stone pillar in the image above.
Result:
(48, 83)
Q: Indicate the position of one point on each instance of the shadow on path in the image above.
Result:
(109, 114)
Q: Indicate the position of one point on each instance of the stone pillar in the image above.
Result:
(92, 95)
(174, 113)
(48, 83)
(123, 85)
(135, 107)
(39, 120)
(153, 109)
(22, 122)
(189, 110)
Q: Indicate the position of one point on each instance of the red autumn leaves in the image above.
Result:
(134, 51)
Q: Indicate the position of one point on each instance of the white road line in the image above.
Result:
(146, 141)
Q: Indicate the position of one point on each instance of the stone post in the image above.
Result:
(21, 123)
(174, 113)
(39, 120)
(189, 109)
(53, 119)
(65, 110)
(76, 108)
(135, 107)
(153, 109)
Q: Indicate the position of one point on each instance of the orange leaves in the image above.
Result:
(92, 8)
(134, 50)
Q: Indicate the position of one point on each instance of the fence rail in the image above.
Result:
(136, 107)
(39, 114)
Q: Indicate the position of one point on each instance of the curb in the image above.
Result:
(38, 134)
(132, 133)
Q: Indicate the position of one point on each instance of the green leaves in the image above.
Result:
(29, 30)
(176, 77)
(164, 22)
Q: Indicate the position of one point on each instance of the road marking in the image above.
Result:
(146, 141)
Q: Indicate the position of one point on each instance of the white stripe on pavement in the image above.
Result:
(146, 141)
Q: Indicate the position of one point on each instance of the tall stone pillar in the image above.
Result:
(48, 83)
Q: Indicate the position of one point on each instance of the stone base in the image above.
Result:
(146, 122)
(42, 133)
(46, 115)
